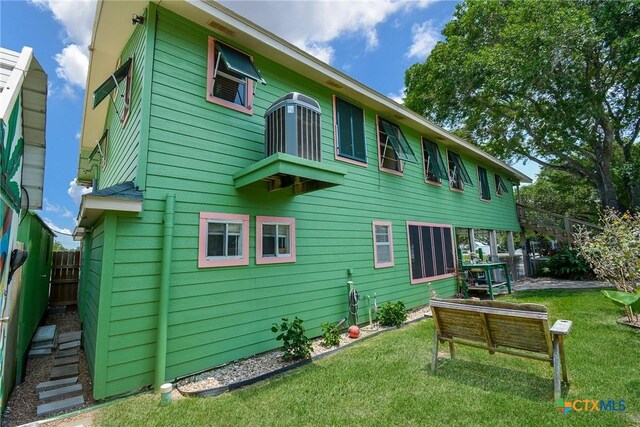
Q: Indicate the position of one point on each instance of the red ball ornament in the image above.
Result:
(354, 331)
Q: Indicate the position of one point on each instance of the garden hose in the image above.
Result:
(354, 299)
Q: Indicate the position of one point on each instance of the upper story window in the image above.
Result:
(483, 178)
(121, 82)
(224, 240)
(458, 175)
(382, 244)
(501, 187)
(431, 253)
(101, 149)
(231, 76)
(275, 240)
(393, 147)
(349, 132)
(434, 170)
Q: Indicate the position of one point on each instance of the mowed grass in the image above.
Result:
(386, 380)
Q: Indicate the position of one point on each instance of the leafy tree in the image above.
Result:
(562, 193)
(555, 82)
(59, 247)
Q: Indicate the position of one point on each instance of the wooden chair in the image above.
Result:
(516, 329)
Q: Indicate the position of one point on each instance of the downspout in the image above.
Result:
(165, 283)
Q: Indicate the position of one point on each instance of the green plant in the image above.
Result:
(568, 264)
(392, 314)
(613, 251)
(330, 334)
(629, 301)
(296, 345)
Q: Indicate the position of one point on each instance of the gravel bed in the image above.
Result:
(244, 369)
(23, 402)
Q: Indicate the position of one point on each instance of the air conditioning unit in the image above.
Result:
(292, 126)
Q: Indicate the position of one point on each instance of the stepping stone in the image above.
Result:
(61, 361)
(43, 345)
(39, 352)
(64, 371)
(68, 345)
(69, 336)
(58, 392)
(60, 405)
(66, 353)
(45, 333)
(48, 385)
(56, 309)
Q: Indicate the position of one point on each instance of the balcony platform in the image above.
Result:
(280, 171)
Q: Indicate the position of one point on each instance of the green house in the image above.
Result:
(238, 180)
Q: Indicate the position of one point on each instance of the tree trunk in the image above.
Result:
(604, 184)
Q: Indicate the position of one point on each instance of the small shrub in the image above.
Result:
(296, 345)
(392, 314)
(330, 334)
(568, 264)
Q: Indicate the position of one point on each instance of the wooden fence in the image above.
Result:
(65, 271)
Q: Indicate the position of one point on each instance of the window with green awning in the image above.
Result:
(434, 169)
(483, 177)
(112, 82)
(501, 187)
(458, 175)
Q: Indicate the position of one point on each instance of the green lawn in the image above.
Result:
(385, 380)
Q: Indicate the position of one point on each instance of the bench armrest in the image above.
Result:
(561, 327)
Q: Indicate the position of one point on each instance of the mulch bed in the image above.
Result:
(21, 408)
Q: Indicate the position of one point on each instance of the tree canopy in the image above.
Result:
(555, 82)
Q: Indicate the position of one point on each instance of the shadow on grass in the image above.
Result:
(497, 379)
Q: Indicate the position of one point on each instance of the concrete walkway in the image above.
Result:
(539, 283)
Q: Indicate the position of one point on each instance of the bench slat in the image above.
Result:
(489, 310)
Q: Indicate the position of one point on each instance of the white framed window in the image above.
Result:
(275, 240)
(382, 244)
(224, 240)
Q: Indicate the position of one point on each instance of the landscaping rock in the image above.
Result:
(59, 392)
(62, 361)
(48, 385)
(64, 371)
(60, 405)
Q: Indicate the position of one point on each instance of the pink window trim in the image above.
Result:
(453, 242)
(424, 172)
(291, 222)
(375, 247)
(380, 168)
(335, 139)
(203, 262)
(211, 63)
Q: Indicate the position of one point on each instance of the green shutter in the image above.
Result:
(359, 144)
(239, 63)
(500, 184)
(485, 193)
(351, 142)
(464, 175)
(110, 84)
(398, 141)
(435, 160)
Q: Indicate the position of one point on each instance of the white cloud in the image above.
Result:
(55, 228)
(322, 51)
(73, 65)
(76, 191)
(425, 37)
(398, 96)
(60, 210)
(312, 25)
(76, 18)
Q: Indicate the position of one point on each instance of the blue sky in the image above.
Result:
(374, 42)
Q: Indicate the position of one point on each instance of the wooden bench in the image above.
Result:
(516, 329)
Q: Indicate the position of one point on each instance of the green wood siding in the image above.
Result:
(124, 139)
(221, 314)
(91, 294)
(34, 293)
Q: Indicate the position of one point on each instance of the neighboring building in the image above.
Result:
(23, 105)
(225, 200)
